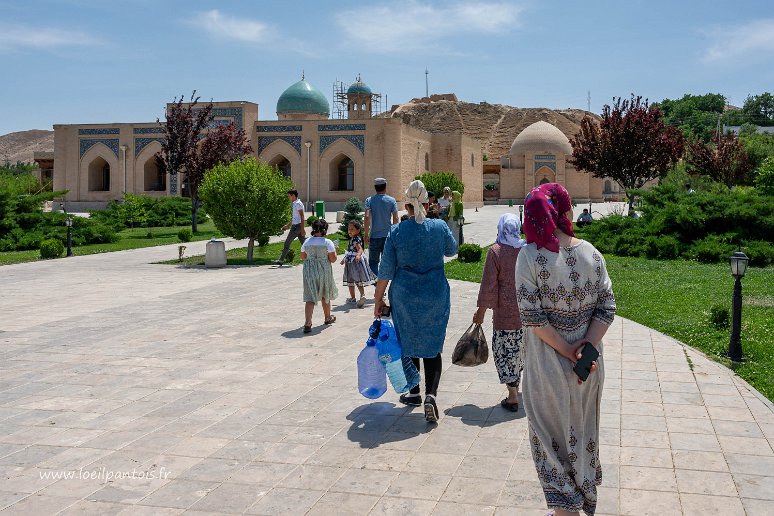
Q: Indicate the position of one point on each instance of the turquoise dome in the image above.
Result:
(302, 97)
(359, 88)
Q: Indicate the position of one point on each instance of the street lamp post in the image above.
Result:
(308, 144)
(69, 224)
(738, 263)
(123, 155)
(521, 214)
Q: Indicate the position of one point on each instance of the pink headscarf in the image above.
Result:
(544, 211)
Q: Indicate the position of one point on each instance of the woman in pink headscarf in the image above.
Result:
(565, 300)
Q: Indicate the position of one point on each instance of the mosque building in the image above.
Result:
(328, 158)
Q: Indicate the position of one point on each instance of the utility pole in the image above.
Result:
(427, 88)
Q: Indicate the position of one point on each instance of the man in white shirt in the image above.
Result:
(296, 225)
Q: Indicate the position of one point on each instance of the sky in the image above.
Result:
(103, 61)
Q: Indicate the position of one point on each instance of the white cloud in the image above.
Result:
(410, 25)
(230, 27)
(741, 42)
(21, 36)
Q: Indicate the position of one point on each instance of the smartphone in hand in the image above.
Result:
(583, 366)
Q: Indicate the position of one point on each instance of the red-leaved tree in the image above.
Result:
(724, 159)
(223, 144)
(184, 123)
(631, 145)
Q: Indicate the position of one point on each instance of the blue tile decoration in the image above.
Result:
(141, 143)
(105, 130)
(549, 164)
(235, 113)
(149, 130)
(544, 157)
(173, 183)
(358, 140)
(341, 127)
(87, 143)
(265, 141)
(278, 128)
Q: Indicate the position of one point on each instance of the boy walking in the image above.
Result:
(296, 225)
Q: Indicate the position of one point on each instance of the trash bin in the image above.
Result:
(319, 209)
(215, 255)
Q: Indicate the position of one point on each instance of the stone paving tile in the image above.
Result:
(254, 416)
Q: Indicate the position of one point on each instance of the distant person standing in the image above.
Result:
(296, 225)
(381, 212)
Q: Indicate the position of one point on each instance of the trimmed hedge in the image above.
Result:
(51, 248)
(469, 253)
(146, 211)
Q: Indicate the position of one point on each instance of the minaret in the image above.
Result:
(359, 100)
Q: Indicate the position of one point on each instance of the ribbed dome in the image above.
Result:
(302, 97)
(359, 88)
(541, 137)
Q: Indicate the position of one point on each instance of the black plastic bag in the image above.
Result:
(471, 349)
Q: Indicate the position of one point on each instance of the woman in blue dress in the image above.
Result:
(419, 294)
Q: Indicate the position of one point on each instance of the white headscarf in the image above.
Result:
(416, 195)
(509, 231)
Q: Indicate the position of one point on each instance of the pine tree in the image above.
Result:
(352, 211)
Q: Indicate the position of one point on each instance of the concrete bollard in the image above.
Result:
(215, 255)
(339, 216)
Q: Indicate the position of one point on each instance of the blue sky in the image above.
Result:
(99, 61)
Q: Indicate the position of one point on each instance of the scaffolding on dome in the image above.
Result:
(341, 101)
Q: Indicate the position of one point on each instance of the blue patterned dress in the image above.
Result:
(419, 293)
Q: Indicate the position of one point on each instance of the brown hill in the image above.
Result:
(495, 125)
(20, 146)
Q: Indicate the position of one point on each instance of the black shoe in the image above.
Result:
(412, 400)
(431, 409)
(278, 262)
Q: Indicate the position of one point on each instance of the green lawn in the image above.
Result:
(261, 255)
(674, 297)
(129, 239)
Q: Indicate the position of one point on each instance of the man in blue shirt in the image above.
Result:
(381, 211)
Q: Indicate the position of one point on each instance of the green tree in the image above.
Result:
(759, 109)
(246, 199)
(765, 178)
(696, 115)
(758, 146)
(352, 211)
(631, 145)
(436, 181)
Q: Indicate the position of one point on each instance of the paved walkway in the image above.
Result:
(203, 380)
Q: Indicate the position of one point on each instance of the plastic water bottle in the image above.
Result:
(401, 371)
(371, 376)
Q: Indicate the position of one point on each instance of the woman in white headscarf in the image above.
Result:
(419, 295)
(498, 292)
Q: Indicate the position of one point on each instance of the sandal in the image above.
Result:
(307, 328)
(330, 320)
(512, 407)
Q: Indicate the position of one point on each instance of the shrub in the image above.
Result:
(149, 234)
(662, 246)
(436, 181)
(262, 240)
(469, 253)
(51, 248)
(760, 253)
(719, 317)
(147, 211)
(185, 235)
(310, 219)
(711, 249)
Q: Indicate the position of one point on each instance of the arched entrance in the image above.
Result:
(342, 174)
(153, 179)
(99, 175)
(282, 164)
(544, 175)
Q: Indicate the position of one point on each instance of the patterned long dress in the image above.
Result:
(567, 290)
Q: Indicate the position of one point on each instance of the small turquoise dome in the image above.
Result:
(302, 97)
(359, 88)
